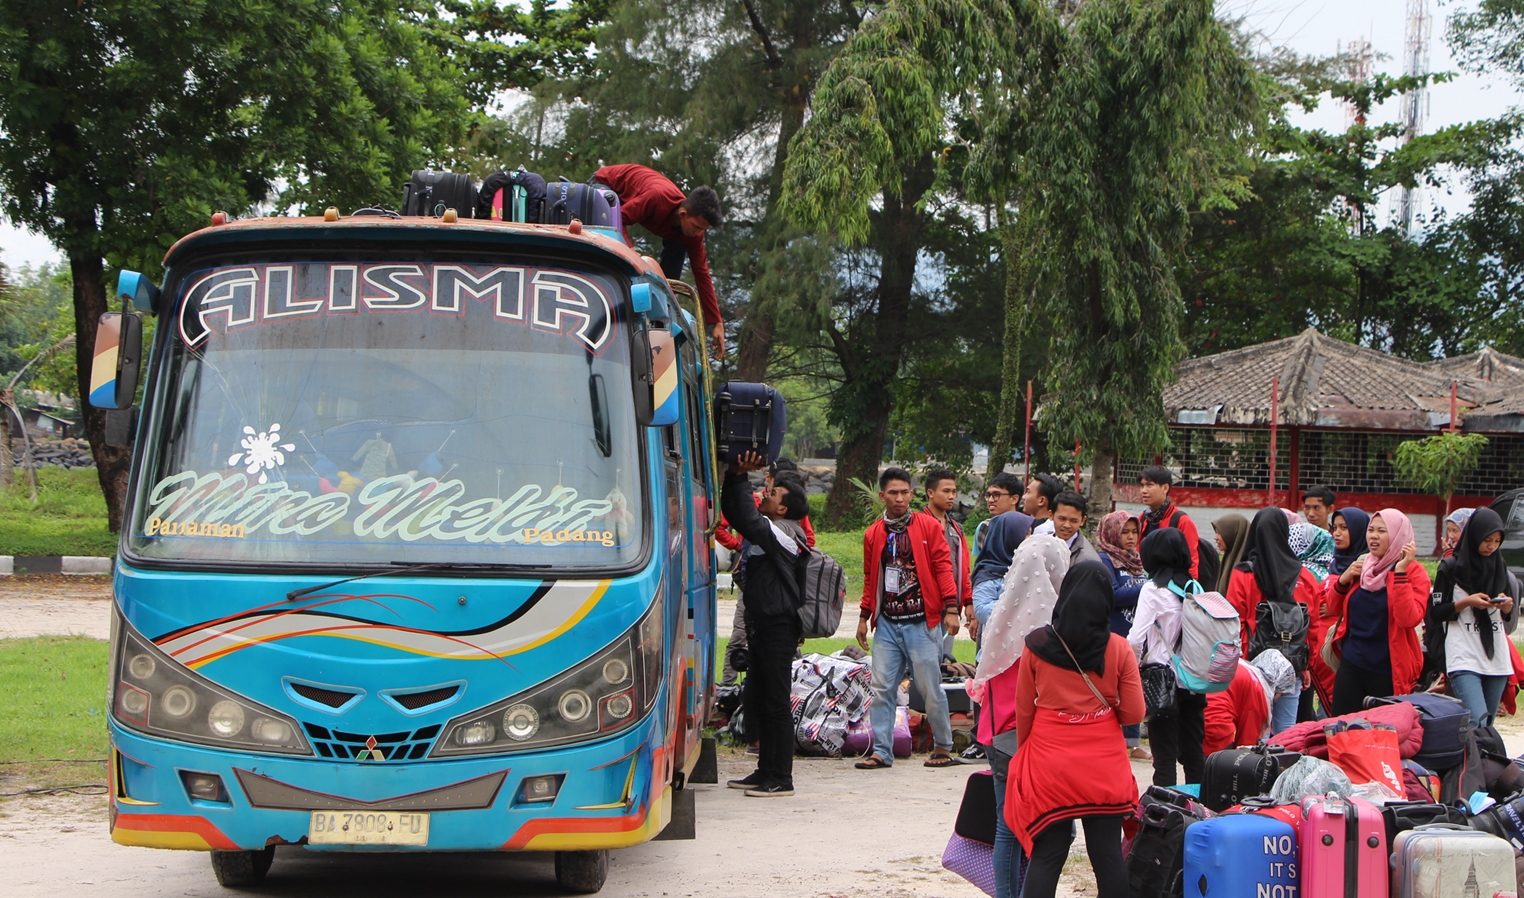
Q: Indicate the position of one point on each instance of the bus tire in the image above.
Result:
(582, 872)
(237, 869)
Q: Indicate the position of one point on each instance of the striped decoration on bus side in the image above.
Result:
(108, 338)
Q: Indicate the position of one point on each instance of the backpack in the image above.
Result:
(824, 593)
(1206, 654)
(516, 195)
(1281, 626)
(1209, 564)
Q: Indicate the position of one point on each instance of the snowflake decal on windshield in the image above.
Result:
(262, 452)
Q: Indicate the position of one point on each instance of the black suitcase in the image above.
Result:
(595, 205)
(430, 193)
(1234, 774)
(748, 418)
(523, 196)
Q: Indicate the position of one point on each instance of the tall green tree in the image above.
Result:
(125, 123)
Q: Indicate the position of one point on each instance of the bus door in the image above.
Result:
(701, 612)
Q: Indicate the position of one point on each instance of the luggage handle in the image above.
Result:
(1425, 827)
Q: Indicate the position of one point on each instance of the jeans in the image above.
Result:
(1480, 694)
(900, 648)
(737, 641)
(766, 694)
(1008, 858)
(1353, 684)
(986, 594)
(1133, 734)
(673, 252)
(1176, 735)
(1103, 842)
(1283, 713)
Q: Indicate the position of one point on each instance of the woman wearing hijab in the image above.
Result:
(1314, 548)
(1454, 524)
(1379, 599)
(1077, 685)
(1271, 573)
(1471, 611)
(1348, 526)
(1175, 734)
(1027, 598)
(1117, 540)
(1232, 541)
(1240, 714)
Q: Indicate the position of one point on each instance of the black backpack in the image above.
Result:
(1281, 626)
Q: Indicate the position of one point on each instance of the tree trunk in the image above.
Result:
(1017, 300)
(1102, 458)
(755, 343)
(111, 463)
(7, 466)
(879, 342)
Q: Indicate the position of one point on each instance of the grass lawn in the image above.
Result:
(55, 689)
(847, 548)
(68, 519)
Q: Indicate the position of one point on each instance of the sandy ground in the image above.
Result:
(55, 605)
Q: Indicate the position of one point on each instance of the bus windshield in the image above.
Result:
(371, 413)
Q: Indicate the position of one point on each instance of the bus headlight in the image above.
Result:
(598, 697)
(157, 695)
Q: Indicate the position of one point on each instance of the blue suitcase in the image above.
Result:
(1239, 856)
(595, 205)
(748, 418)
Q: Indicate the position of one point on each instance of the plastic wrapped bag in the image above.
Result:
(1307, 777)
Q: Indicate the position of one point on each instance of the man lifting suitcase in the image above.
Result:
(650, 199)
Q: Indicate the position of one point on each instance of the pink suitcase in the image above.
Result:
(1342, 849)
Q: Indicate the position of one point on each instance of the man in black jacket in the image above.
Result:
(775, 563)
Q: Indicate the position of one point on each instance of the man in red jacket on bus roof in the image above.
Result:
(650, 199)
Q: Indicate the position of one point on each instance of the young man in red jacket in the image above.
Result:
(910, 597)
(1153, 487)
(650, 199)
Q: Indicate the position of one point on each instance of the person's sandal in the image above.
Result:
(1139, 753)
(939, 759)
(872, 763)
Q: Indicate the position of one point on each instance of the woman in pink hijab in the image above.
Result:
(1379, 599)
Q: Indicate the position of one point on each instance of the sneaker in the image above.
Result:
(974, 752)
(771, 790)
(747, 782)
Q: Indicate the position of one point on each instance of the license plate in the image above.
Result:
(368, 828)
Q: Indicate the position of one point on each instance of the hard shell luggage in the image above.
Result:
(1401, 816)
(1265, 806)
(593, 204)
(1342, 849)
(748, 418)
(955, 692)
(430, 193)
(1447, 861)
(1240, 856)
(1234, 774)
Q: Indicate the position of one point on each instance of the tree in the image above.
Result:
(125, 124)
(1436, 464)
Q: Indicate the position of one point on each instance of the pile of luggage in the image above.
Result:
(1406, 799)
(518, 195)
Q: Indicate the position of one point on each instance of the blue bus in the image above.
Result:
(418, 552)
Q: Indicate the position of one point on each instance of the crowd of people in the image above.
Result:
(1079, 641)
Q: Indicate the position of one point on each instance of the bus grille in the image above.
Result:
(415, 700)
(343, 746)
(333, 698)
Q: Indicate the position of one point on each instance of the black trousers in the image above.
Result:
(771, 641)
(673, 252)
(1352, 684)
(1176, 735)
(1103, 842)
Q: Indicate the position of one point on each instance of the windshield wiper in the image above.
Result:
(295, 594)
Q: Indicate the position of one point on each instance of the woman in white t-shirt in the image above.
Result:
(1175, 734)
(1472, 609)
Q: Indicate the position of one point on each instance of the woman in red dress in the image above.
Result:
(1076, 687)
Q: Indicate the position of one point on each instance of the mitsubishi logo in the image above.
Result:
(372, 751)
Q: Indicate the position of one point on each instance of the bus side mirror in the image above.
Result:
(138, 290)
(655, 364)
(114, 370)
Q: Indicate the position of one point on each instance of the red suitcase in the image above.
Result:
(1342, 849)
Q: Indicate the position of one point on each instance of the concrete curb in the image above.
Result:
(74, 565)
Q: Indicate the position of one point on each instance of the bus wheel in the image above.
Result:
(582, 872)
(236, 869)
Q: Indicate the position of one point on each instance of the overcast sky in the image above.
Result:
(1321, 27)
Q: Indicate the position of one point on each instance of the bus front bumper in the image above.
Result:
(610, 794)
